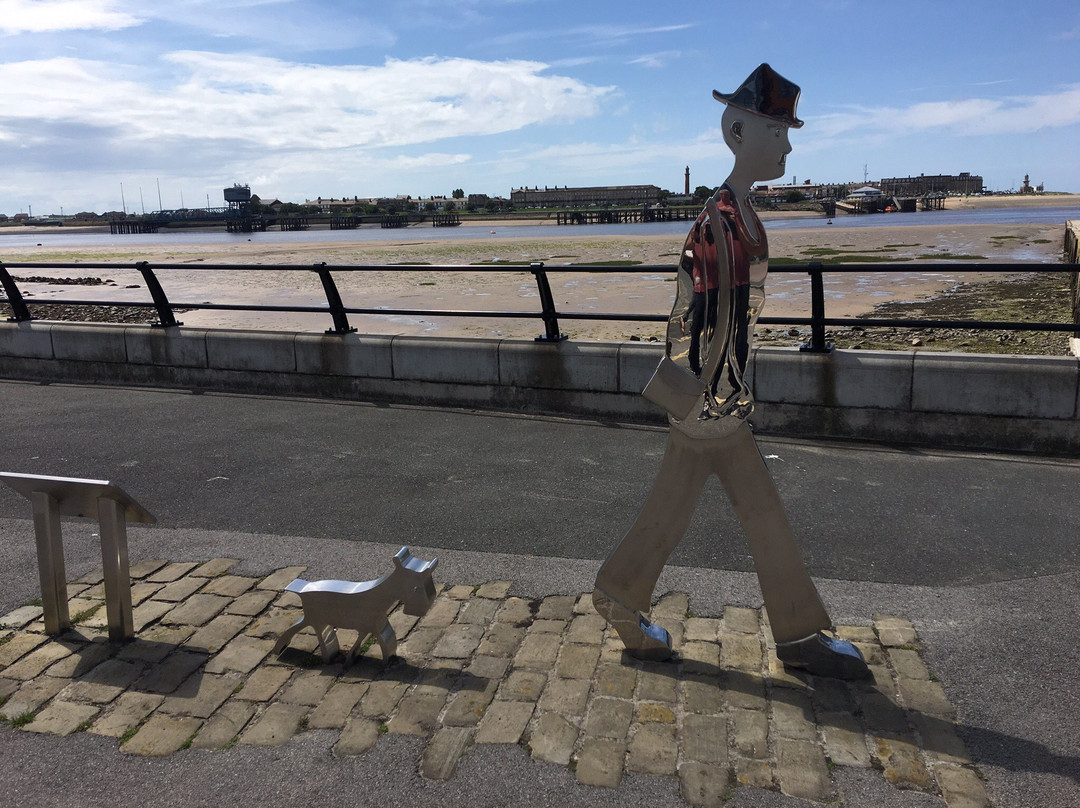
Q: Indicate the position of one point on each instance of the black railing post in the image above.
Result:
(333, 299)
(20, 314)
(817, 342)
(547, 305)
(161, 302)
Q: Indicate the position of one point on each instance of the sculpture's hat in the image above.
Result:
(765, 92)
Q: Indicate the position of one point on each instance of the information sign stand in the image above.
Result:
(53, 497)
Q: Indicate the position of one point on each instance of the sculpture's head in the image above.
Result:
(756, 122)
(412, 575)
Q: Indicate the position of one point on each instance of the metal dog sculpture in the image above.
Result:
(363, 607)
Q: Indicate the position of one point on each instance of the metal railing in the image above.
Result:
(549, 313)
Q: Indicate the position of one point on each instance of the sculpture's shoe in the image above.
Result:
(642, 639)
(823, 655)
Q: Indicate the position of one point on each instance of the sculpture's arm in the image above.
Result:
(719, 344)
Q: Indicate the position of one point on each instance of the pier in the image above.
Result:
(128, 227)
(245, 225)
(885, 204)
(445, 220)
(680, 213)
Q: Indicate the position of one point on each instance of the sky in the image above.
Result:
(111, 104)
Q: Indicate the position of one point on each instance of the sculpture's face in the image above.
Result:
(761, 146)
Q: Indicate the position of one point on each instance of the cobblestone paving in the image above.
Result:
(485, 668)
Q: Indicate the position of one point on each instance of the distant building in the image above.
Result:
(435, 203)
(342, 205)
(238, 197)
(963, 183)
(567, 197)
(1027, 188)
(809, 190)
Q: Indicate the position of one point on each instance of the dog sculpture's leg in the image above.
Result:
(387, 640)
(328, 642)
(288, 634)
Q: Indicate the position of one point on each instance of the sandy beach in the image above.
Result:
(412, 284)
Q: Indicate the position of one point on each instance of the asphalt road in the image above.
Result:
(977, 550)
(530, 486)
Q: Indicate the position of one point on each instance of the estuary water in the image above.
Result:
(425, 232)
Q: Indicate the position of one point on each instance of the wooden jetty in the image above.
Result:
(247, 224)
(295, 223)
(889, 204)
(394, 221)
(680, 213)
(129, 227)
(445, 220)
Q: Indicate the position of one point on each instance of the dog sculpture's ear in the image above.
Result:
(407, 560)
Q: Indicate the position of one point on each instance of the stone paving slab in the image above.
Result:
(483, 667)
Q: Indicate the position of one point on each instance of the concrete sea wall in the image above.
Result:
(921, 398)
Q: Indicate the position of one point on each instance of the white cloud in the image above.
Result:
(41, 16)
(656, 60)
(969, 117)
(286, 26)
(264, 103)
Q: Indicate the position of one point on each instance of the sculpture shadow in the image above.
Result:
(987, 747)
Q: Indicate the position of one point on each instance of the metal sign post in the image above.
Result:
(53, 497)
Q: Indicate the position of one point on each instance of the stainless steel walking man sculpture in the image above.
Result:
(721, 290)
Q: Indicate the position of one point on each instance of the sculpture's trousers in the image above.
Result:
(630, 573)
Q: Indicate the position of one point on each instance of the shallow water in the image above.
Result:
(424, 233)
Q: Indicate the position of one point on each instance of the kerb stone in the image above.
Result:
(444, 751)
(653, 750)
(358, 736)
(197, 610)
(802, 771)
(537, 651)
(504, 722)
(280, 579)
(214, 635)
(242, 654)
(130, 709)
(418, 712)
(61, 718)
(200, 695)
(161, 735)
(459, 641)
(577, 661)
(845, 743)
(308, 688)
(961, 787)
(224, 726)
(600, 762)
(334, 710)
(19, 645)
(703, 784)
(31, 696)
(553, 739)
(704, 739)
(275, 726)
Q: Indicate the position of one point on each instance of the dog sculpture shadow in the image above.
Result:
(363, 607)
